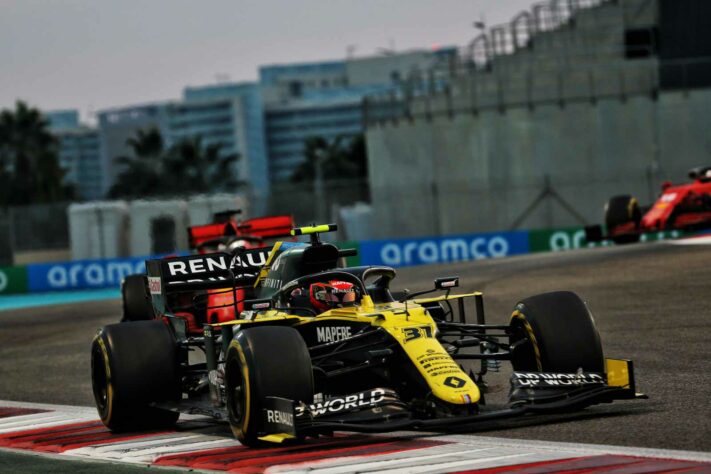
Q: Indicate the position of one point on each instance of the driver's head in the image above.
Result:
(332, 294)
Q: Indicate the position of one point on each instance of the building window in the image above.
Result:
(641, 43)
(295, 88)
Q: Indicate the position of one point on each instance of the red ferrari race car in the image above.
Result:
(225, 234)
(685, 207)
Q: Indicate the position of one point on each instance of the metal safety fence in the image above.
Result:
(33, 227)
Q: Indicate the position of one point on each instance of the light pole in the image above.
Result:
(318, 184)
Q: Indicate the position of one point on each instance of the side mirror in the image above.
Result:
(446, 283)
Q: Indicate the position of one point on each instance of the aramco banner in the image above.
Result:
(453, 248)
(82, 274)
(91, 274)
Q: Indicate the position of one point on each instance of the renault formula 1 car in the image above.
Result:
(321, 348)
(685, 207)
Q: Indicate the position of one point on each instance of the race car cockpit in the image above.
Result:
(322, 292)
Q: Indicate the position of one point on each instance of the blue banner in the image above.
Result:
(82, 274)
(453, 248)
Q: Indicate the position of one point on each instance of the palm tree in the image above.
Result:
(187, 167)
(201, 169)
(29, 164)
(339, 159)
(141, 175)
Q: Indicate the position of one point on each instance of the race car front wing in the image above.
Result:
(381, 410)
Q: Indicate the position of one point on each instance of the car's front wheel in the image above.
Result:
(555, 332)
(621, 210)
(268, 361)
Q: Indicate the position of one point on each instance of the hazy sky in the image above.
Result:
(95, 54)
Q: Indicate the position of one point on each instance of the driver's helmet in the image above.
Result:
(332, 294)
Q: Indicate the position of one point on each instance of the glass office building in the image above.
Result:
(79, 153)
(324, 99)
(228, 114)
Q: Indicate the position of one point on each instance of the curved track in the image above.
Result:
(651, 303)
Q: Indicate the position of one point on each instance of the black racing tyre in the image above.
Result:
(621, 210)
(261, 362)
(135, 364)
(137, 304)
(555, 332)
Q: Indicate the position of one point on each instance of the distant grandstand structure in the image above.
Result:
(578, 99)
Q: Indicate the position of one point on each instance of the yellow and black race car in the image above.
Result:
(320, 348)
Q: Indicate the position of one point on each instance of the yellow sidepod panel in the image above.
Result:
(416, 335)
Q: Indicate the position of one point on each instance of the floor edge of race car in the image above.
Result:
(74, 433)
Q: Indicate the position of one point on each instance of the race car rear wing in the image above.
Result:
(261, 227)
(267, 227)
(199, 234)
(203, 272)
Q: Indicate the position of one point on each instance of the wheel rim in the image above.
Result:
(524, 357)
(99, 380)
(235, 391)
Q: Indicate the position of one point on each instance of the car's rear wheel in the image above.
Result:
(555, 332)
(621, 210)
(133, 365)
(137, 305)
(262, 362)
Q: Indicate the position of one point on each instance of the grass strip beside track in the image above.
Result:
(21, 463)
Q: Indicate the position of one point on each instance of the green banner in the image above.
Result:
(663, 235)
(556, 239)
(568, 238)
(13, 280)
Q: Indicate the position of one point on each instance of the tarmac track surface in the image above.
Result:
(651, 303)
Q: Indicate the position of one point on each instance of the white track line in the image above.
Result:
(129, 446)
(150, 455)
(493, 461)
(45, 406)
(700, 240)
(43, 423)
(31, 418)
(456, 455)
(366, 464)
(147, 451)
(578, 449)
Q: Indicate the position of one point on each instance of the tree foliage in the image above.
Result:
(340, 159)
(184, 168)
(29, 162)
